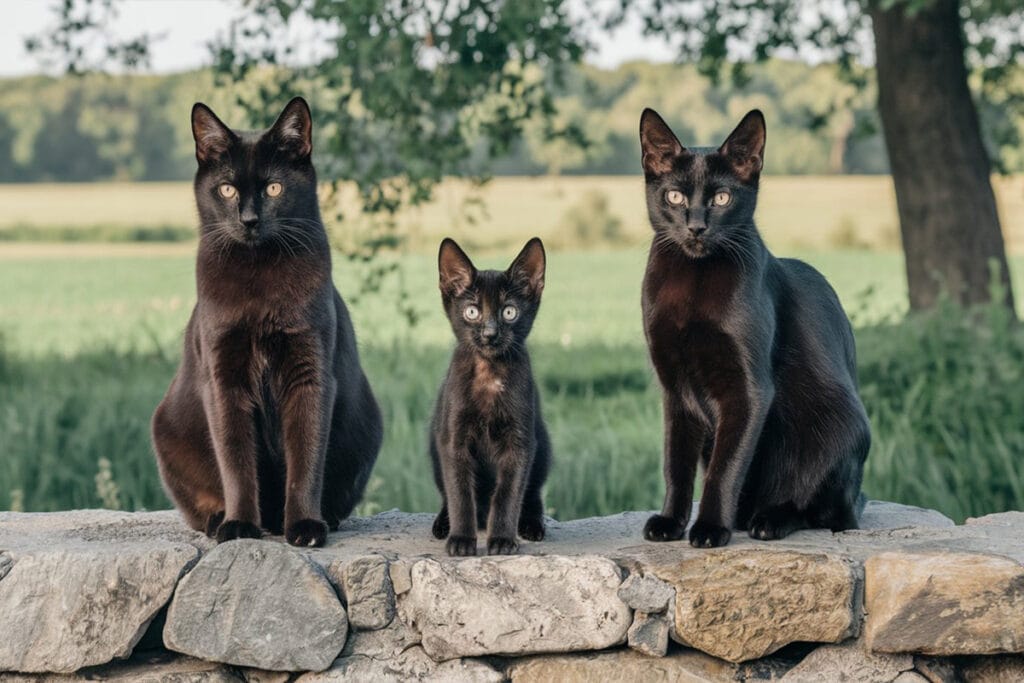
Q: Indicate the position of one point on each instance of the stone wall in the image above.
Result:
(136, 596)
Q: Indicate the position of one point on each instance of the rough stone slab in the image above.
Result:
(646, 593)
(257, 604)
(413, 664)
(684, 666)
(884, 515)
(648, 634)
(158, 667)
(366, 582)
(944, 603)
(515, 605)
(848, 662)
(83, 586)
(385, 643)
(743, 604)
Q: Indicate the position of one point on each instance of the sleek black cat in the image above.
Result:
(269, 422)
(754, 354)
(488, 443)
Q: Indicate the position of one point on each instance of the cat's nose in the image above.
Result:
(250, 222)
(698, 230)
(490, 331)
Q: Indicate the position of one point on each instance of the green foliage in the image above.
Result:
(22, 232)
(591, 222)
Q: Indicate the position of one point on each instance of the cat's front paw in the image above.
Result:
(461, 546)
(500, 545)
(307, 533)
(531, 529)
(232, 529)
(213, 523)
(441, 525)
(706, 535)
(662, 528)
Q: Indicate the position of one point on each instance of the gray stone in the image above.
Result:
(884, 515)
(648, 634)
(160, 667)
(848, 662)
(744, 604)
(685, 666)
(944, 603)
(84, 586)
(646, 593)
(258, 604)
(413, 664)
(366, 582)
(385, 643)
(515, 605)
(910, 677)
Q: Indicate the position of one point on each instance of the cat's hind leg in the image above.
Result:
(777, 521)
(531, 516)
(187, 464)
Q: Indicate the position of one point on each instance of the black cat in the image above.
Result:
(488, 442)
(754, 354)
(270, 421)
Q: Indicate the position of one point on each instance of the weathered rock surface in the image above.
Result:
(848, 662)
(412, 664)
(82, 587)
(745, 604)
(366, 583)
(944, 603)
(515, 605)
(263, 609)
(258, 604)
(147, 668)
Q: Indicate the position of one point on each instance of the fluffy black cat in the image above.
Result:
(754, 354)
(488, 443)
(269, 422)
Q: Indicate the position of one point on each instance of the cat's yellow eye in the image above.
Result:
(228, 191)
(273, 189)
(509, 313)
(676, 198)
(471, 313)
(722, 197)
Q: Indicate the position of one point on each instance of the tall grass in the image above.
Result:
(943, 391)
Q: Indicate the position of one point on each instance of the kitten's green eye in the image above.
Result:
(509, 313)
(676, 198)
(273, 189)
(722, 197)
(471, 313)
(228, 191)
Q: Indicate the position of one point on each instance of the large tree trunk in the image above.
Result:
(941, 170)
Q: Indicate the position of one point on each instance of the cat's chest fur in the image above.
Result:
(687, 308)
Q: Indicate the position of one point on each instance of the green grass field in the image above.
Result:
(91, 336)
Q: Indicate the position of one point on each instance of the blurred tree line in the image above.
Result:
(135, 127)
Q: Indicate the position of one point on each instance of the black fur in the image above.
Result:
(488, 443)
(270, 422)
(754, 354)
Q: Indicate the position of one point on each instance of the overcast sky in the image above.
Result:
(187, 25)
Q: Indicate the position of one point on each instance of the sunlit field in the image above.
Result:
(91, 334)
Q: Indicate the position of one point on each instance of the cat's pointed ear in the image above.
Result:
(659, 144)
(456, 270)
(212, 137)
(293, 130)
(744, 148)
(528, 268)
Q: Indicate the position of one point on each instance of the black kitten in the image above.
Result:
(269, 421)
(754, 354)
(488, 442)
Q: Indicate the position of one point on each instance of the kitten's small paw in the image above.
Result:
(705, 535)
(531, 529)
(307, 533)
(662, 528)
(232, 529)
(461, 546)
(213, 523)
(441, 526)
(500, 545)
